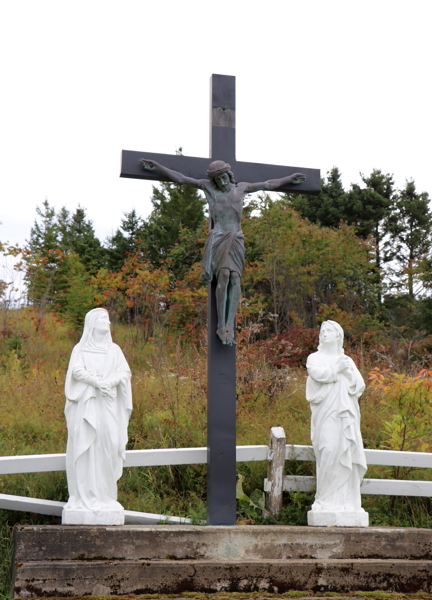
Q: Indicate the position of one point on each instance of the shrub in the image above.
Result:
(290, 348)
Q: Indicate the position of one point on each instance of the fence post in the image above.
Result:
(273, 485)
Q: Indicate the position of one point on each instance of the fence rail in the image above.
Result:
(389, 458)
(276, 483)
(37, 463)
(384, 487)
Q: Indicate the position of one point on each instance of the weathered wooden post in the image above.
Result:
(273, 485)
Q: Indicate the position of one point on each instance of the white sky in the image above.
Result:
(319, 83)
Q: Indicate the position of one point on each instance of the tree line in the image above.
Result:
(362, 256)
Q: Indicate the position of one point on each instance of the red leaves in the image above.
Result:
(290, 348)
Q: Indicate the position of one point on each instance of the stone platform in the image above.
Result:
(65, 560)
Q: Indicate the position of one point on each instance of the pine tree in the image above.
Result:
(63, 224)
(328, 208)
(44, 235)
(370, 209)
(175, 208)
(43, 259)
(410, 237)
(57, 243)
(82, 240)
(120, 245)
(370, 206)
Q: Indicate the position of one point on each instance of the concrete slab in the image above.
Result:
(252, 542)
(60, 560)
(171, 577)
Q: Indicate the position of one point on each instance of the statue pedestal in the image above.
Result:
(92, 517)
(357, 518)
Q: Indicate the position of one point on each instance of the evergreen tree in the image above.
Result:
(57, 242)
(328, 208)
(187, 251)
(63, 225)
(82, 240)
(370, 209)
(121, 244)
(44, 235)
(410, 237)
(44, 274)
(79, 295)
(425, 270)
(175, 208)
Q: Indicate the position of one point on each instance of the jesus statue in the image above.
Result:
(224, 250)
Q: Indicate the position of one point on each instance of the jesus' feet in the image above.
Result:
(226, 336)
(230, 338)
(221, 333)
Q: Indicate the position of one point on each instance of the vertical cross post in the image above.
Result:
(221, 441)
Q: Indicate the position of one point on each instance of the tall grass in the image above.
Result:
(5, 559)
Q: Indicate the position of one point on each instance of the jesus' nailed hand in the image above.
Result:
(224, 250)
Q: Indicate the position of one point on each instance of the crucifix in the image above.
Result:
(222, 267)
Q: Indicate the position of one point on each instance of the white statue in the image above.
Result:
(98, 407)
(332, 389)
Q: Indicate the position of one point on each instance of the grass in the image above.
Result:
(5, 559)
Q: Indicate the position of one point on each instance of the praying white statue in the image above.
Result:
(98, 406)
(333, 387)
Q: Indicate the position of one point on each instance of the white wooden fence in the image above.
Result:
(38, 463)
(187, 456)
(276, 483)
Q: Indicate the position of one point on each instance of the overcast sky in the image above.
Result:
(319, 83)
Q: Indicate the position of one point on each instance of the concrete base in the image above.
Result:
(201, 576)
(338, 519)
(91, 517)
(64, 561)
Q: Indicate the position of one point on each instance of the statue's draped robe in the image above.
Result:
(97, 427)
(336, 436)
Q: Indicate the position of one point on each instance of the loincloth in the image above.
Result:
(223, 251)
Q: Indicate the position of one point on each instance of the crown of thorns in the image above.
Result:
(218, 167)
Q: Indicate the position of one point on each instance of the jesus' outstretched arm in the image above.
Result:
(152, 165)
(273, 184)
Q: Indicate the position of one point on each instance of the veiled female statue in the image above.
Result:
(98, 407)
(333, 387)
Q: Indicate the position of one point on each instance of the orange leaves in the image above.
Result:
(377, 376)
(138, 291)
(425, 373)
(407, 400)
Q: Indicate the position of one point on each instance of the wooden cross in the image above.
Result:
(221, 445)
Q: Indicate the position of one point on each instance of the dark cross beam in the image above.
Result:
(221, 496)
